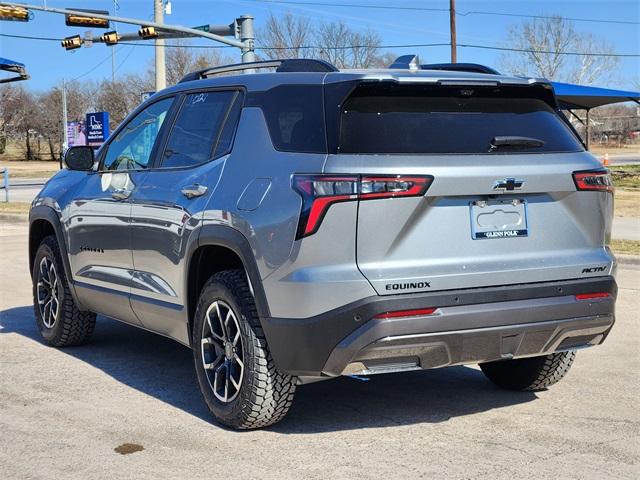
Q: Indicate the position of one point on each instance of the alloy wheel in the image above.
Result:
(222, 351)
(48, 290)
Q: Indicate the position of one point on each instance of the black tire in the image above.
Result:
(264, 395)
(71, 326)
(530, 374)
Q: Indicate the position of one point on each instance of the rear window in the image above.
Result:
(438, 120)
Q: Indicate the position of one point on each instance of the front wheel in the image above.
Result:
(236, 373)
(531, 374)
(60, 322)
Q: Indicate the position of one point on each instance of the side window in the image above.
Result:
(295, 118)
(132, 147)
(197, 130)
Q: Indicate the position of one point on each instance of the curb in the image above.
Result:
(627, 259)
(13, 218)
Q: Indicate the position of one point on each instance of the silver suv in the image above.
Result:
(305, 223)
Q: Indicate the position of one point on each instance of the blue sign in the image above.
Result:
(97, 128)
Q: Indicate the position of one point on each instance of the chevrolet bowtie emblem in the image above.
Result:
(508, 184)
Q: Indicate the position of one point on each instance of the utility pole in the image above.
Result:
(452, 21)
(158, 17)
(116, 6)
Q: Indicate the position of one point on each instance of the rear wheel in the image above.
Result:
(236, 373)
(532, 374)
(59, 320)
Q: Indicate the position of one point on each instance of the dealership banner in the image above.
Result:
(76, 134)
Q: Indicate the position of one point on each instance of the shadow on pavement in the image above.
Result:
(162, 368)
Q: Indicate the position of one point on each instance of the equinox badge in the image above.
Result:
(508, 185)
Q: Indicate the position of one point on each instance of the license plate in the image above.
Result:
(498, 219)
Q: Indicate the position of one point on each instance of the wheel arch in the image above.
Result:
(44, 221)
(221, 248)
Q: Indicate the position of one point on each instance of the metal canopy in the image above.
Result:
(571, 97)
(12, 66)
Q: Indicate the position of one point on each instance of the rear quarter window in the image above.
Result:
(440, 120)
(295, 117)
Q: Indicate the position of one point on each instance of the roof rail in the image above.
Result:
(281, 66)
(412, 62)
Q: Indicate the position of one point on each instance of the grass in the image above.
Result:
(625, 247)
(626, 176)
(24, 169)
(611, 150)
(15, 207)
(627, 203)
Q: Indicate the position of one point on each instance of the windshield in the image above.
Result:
(439, 120)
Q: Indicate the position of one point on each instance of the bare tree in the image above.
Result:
(557, 36)
(287, 37)
(183, 59)
(120, 97)
(18, 111)
(292, 36)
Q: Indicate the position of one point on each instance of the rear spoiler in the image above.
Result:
(569, 96)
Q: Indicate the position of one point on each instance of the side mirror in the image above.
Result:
(79, 158)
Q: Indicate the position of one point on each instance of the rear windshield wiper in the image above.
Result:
(514, 141)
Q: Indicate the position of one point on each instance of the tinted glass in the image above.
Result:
(401, 119)
(295, 117)
(131, 149)
(225, 141)
(195, 132)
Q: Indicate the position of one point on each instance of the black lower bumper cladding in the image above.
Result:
(303, 346)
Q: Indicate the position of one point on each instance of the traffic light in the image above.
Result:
(74, 20)
(71, 43)
(16, 14)
(109, 38)
(148, 32)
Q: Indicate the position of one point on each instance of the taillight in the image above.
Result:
(407, 313)
(319, 192)
(598, 180)
(592, 296)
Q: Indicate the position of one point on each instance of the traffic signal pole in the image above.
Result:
(246, 31)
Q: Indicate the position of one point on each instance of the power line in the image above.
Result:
(92, 69)
(346, 47)
(431, 9)
(550, 52)
(352, 5)
(573, 19)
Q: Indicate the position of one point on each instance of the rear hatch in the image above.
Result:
(501, 204)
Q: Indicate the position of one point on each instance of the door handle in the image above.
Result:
(120, 194)
(194, 190)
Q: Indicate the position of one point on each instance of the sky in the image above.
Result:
(47, 62)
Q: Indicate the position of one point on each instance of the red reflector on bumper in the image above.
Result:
(407, 313)
(591, 296)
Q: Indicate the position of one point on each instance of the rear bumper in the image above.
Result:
(469, 326)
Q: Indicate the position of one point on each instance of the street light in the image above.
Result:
(71, 43)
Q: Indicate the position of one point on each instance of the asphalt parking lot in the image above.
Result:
(63, 412)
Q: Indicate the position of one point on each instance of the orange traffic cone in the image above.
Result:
(605, 160)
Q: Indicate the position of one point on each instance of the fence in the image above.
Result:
(5, 183)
